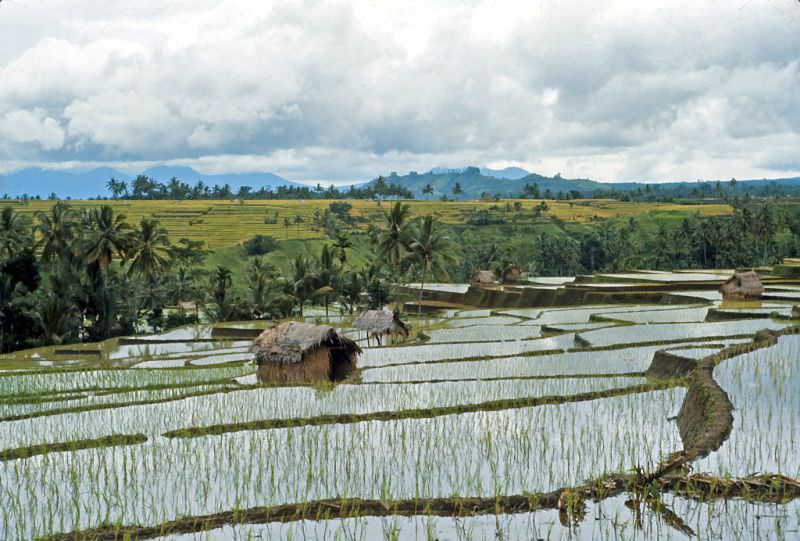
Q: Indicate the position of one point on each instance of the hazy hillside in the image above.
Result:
(476, 183)
(35, 181)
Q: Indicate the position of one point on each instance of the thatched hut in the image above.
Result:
(512, 274)
(742, 286)
(380, 323)
(483, 278)
(299, 352)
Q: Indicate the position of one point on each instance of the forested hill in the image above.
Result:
(473, 183)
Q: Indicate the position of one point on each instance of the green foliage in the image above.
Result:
(260, 245)
(90, 275)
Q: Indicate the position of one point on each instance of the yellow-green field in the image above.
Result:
(225, 223)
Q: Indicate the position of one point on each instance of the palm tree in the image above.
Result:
(326, 276)
(14, 235)
(221, 282)
(109, 235)
(430, 249)
(259, 275)
(116, 187)
(427, 190)
(298, 219)
(302, 280)
(393, 240)
(350, 290)
(55, 313)
(342, 244)
(149, 250)
(56, 230)
(286, 223)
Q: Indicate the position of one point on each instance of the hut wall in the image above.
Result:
(340, 364)
(315, 366)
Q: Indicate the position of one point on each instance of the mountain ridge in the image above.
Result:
(37, 181)
(474, 182)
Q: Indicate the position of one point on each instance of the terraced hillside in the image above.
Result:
(225, 223)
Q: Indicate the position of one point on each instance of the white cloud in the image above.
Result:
(335, 89)
(125, 121)
(24, 126)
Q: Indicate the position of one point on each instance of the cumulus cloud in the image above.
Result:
(24, 126)
(334, 89)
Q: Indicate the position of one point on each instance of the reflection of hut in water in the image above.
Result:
(380, 323)
(297, 352)
(742, 286)
(483, 278)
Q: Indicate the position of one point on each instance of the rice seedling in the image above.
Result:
(481, 453)
(764, 387)
(147, 433)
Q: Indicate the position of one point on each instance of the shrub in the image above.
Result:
(260, 245)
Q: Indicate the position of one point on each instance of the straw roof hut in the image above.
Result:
(511, 274)
(742, 286)
(297, 352)
(483, 278)
(380, 323)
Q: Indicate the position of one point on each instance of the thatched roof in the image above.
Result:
(512, 273)
(483, 277)
(289, 342)
(742, 286)
(381, 322)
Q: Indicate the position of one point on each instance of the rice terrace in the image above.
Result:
(356, 270)
(619, 406)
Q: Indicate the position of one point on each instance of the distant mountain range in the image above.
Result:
(35, 181)
(477, 182)
(509, 173)
(474, 182)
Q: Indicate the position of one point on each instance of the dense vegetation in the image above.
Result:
(70, 275)
(757, 233)
(143, 187)
(471, 183)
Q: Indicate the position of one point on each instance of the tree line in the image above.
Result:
(144, 187)
(756, 233)
(69, 276)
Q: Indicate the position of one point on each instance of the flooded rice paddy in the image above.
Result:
(495, 406)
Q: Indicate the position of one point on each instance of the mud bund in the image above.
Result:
(705, 419)
(667, 365)
(516, 297)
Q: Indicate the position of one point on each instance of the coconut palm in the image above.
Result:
(342, 244)
(55, 313)
(117, 187)
(221, 282)
(109, 236)
(326, 276)
(302, 281)
(56, 231)
(149, 250)
(350, 290)
(14, 234)
(393, 240)
(260, 274)
(430, 249)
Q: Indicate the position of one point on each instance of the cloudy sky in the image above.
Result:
(345, 90)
